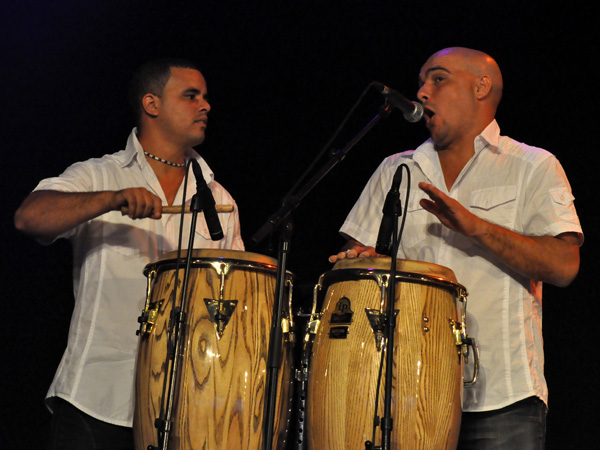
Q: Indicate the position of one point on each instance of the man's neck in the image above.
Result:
(155, 144)
(454, 158)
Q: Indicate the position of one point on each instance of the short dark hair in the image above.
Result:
(151, 77)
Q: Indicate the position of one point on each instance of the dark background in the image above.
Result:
(281, 76)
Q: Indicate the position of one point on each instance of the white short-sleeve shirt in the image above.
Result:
(96, 373)
(511, 184)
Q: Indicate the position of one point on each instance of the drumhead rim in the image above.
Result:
(201, 257)
(340, 275)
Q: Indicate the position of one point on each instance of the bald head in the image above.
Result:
(478, 64)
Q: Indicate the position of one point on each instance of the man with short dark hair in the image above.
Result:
(500, 214)
(92, 392)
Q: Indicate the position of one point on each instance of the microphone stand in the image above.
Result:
(180, 316)
(387, 422)
(292, 202)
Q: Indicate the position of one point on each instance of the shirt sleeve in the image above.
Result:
(76, 178)
(362, 223)
(549, 207)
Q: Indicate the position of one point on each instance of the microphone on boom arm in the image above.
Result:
(412, 111)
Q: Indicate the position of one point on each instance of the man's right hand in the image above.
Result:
(140, 203)
(354, 249)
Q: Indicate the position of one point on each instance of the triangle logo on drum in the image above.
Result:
(220, 312)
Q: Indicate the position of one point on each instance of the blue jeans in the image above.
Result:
(74, 430)
(521, 425)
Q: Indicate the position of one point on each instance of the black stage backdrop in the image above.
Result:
(281, 76)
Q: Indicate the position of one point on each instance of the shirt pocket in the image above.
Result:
(495, 204)
(203, 234)
(561, 196)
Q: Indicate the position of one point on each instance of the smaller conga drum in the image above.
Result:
(219, 391)
(346, 368)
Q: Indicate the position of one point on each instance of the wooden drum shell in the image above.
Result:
(427, 376)
(220, 392)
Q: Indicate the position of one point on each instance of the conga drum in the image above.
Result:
(219, 387)
(346, 368)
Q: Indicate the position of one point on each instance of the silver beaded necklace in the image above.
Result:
(163, 160)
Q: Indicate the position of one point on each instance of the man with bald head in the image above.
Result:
(500, 214)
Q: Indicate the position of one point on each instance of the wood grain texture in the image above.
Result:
(427, 383)
(220, 393)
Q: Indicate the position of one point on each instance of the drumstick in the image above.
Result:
(177, 209)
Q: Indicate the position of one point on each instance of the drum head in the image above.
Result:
(402, 265)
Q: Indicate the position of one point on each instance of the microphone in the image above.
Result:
(207, 202)
(413, 111)
(391, 208)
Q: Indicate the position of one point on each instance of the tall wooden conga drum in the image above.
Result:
(219, 392)
(346, 374)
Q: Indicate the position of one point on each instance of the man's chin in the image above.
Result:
(198, 140)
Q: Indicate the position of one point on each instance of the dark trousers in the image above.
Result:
(72, 429)
(521, 425)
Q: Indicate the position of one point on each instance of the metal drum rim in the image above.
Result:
(338, 275)
(205, 257)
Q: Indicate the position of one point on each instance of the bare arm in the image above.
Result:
(551, 259)
(47, 214)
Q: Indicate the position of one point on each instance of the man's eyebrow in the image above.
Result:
(432, 69)
(192, 91)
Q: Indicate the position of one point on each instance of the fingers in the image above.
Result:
(141, 203)
(339, 256)
(434, 193)
(354, 252)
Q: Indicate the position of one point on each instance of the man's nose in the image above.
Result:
(204, 106)
(423, 93)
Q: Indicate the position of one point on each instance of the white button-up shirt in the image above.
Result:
(96, 373)
(511, 184)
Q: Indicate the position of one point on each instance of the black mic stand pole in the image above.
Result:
(274, 357)
(180, 318)
(387, 422)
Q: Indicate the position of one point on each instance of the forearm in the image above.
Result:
(553, 260)
(47, 214)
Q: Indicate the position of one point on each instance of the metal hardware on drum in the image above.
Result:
(222, 375)
(339, 378)
(148, 316)
(220, 310)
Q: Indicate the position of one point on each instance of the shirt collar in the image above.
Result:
(134, 151)
(490, 136)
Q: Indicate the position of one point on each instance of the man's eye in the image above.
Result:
(438, 79)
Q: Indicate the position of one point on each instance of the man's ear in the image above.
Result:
(483, 86)
(151, 104)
